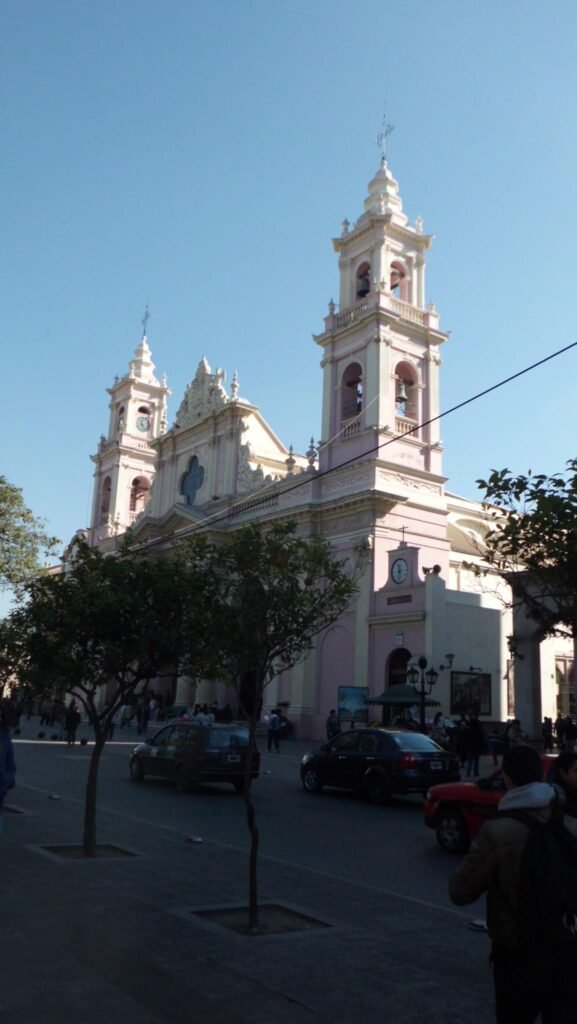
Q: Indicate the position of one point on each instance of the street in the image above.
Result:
(375, 873)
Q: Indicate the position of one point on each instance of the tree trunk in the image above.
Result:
(253, 830)
(89, 839)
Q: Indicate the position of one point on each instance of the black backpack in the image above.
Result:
(547, 893)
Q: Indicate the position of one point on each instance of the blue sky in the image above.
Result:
(200, 156)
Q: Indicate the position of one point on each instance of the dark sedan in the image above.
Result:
(380, 763)
(191, 753)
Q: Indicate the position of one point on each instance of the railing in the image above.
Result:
(351, 428)
(403, 426)
(354, 313)
(407, 311)
(403, 309)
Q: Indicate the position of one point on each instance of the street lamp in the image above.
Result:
(426, 683)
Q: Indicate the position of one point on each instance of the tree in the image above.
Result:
(23, 539)
(101, 630)
(533, 542)
(272, 594)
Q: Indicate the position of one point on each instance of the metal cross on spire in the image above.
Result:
(381, 139)
(145, 320)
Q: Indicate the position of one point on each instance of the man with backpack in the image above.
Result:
(525, 859)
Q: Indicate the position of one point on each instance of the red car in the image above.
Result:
(456, 810)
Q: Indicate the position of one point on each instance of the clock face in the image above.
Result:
(399, 570)
(142, 423)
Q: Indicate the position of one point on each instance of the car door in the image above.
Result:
(159, 753)
(340, 765)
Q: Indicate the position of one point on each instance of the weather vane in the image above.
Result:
(381, 139)
(145, 319)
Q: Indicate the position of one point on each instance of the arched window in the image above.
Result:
(352, 392)
(405, 394)
(139, 494)
(363, 280)
(105, 499)
(397, 667)
(120, 420)
(399, 283)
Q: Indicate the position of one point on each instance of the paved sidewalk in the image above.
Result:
(116, 940)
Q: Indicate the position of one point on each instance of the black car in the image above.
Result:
(190, 753)
(379, 762)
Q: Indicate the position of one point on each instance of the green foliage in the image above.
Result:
(533, 543)
(112, 622)
(268, 594)
(23, 540)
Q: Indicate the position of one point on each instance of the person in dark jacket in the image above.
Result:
(7, 763)
(523, 988)
(473, 745)
(333, 724)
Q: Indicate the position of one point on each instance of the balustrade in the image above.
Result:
(403, 426)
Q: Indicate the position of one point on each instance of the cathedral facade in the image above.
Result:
(373, 487)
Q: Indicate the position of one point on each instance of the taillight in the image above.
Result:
(408, 761)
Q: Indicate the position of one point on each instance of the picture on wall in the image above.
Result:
(351, 706)
(470, 693)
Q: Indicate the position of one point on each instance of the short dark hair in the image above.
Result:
(565, 760)
(523, 765)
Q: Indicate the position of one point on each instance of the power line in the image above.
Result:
(252, 503)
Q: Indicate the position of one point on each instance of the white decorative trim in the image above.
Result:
(204, 396)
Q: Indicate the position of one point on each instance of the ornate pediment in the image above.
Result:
(204, 396)
(249, 479)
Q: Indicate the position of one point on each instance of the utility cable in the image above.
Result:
(252, 502)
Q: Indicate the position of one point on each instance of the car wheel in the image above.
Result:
(451, 831)
(136, 772)
(181, 779)
(311, 781)
(378, 789)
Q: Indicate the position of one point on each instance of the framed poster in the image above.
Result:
(351, 703)
(470, 693)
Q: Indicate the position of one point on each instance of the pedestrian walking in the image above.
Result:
(527, 981)
(547, 734)
(333, 724)
(516, 736)
(71, 722)
(558, 729)
(274, 730)
(7, 763)
(474, 743)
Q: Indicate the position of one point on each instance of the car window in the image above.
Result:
(179, 734)
(414, 741)
(369, 743)
(193, 738)
(163, 737)
(223, 739)
(348, 741)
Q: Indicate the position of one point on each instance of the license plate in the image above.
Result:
(436, 766)
(233, 757)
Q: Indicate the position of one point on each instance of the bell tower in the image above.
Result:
(125, 460)
(381, 346)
